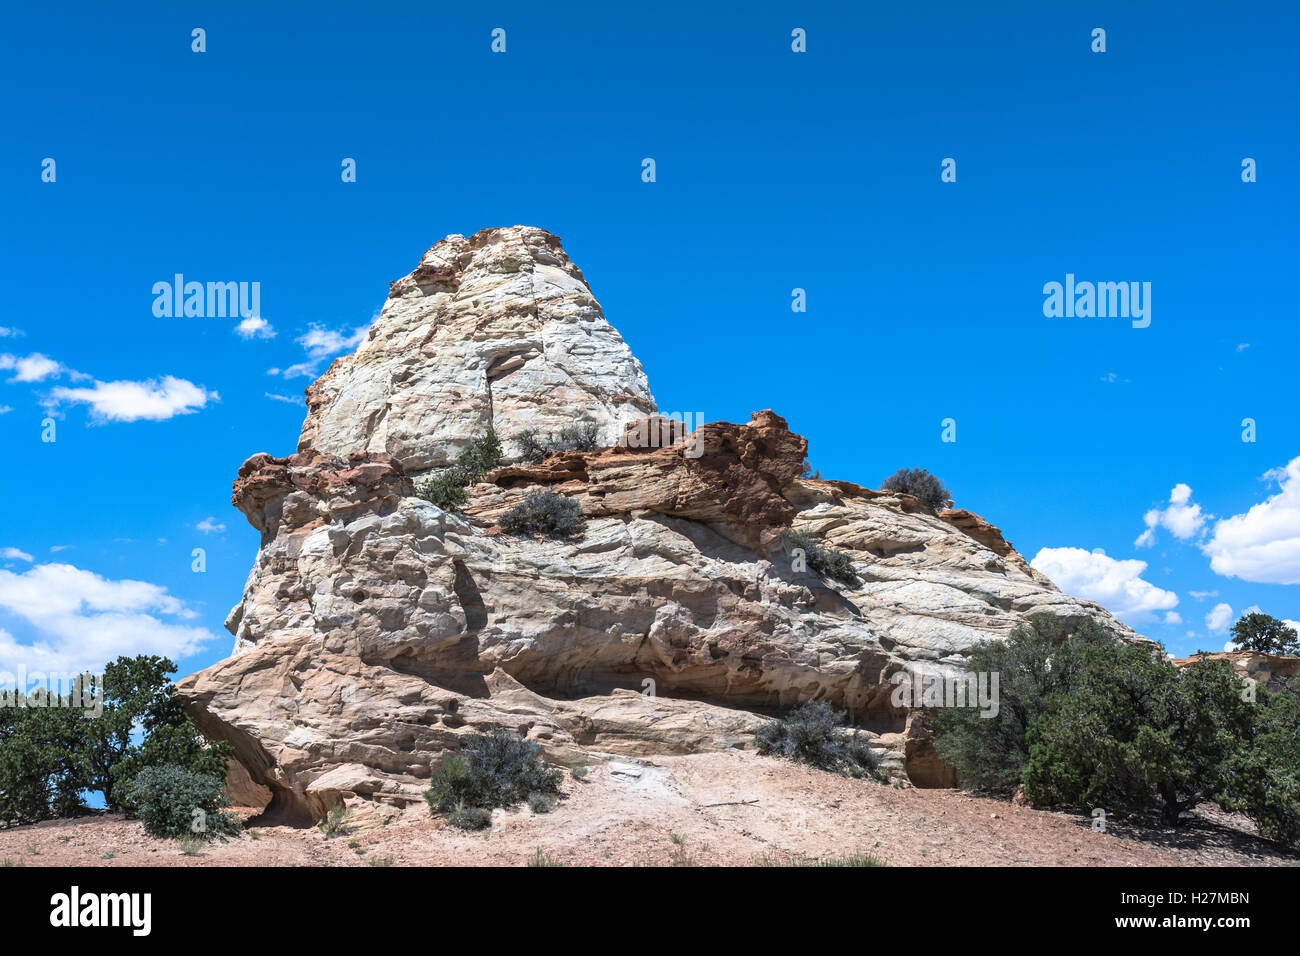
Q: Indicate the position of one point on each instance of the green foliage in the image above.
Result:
(1261, 632)
(1085, 721)
(1264, 774)
(545, 513)
(542, 858)
(335, 821)
(920, 484)
(542, 802)
(1034, 664)
(835, 565)
(470, 818)
(534, 446)
(50, 755)
(1135, 734)
(447, 489)
(812, 734)
(497, 769)
(166, 798)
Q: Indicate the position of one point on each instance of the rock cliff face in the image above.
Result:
(375, 627)
(497, 330)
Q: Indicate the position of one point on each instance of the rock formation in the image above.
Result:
(375, 627)
(497, 330)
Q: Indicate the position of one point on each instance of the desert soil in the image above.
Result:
(717, 809)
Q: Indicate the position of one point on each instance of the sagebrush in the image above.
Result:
(826, 562)
(813, 734)
(545, 513)
(920, 484)
(496, 769)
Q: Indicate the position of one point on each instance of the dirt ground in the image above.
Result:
(719, 809)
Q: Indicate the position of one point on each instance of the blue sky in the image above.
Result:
(775, 170)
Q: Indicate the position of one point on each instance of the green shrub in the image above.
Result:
(534, 446)
(1034, 663)
(166, 800)
(335, 821)
(497, 769)
(1085, 721)
(542, 858)
(50, 756)
(470, 818)
(812, 734)
(541, 802)
(545, 513)
(1135, 734)
(919, 483)
(835, 565)
(1264, 774)
(447, 489)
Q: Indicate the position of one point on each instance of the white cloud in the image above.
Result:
(133, 401)
(321, 343)
(81, 620)
(1243, 346)
(14, 554)
(31, 368)
(9, 333)
(255, 327)
(1181, 517)
(1202, 595)
(1262, 545)
(1173, 617)
(291, 399)
(6, 409)
(1116, 585)
(1219, 618)
(210, 526)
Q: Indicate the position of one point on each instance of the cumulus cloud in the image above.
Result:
(1219, 618)
(1173, 617)
(13, 554)
(1262, 545)
(1181, 517)
(80, 620)
(34, 368)
(210, 526)
(150, 400)
(255, 328)
(1116, 585)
